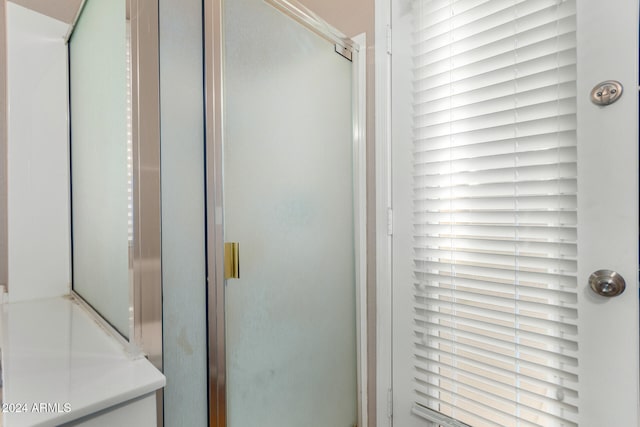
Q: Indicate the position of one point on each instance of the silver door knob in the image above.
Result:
(606, 92)
(607, 283)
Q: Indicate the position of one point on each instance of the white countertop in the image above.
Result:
(54, 352)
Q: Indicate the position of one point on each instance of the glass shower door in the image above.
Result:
(288, 203)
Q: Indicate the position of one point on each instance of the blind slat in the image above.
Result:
(564, 375)
(439, 56)
(479, 395)
(438, 96)
(550, 380)
(488, 73)
(444, 110)
(500, 394)
(513, 248)
(524, 289)
(491, 317)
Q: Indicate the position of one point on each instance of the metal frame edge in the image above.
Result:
(213, 46)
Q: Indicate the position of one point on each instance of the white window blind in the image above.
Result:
(495, 212)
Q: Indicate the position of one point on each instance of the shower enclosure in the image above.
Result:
(284, 215)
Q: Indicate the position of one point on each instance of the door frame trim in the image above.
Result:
(384, 210)
(216, 346)
(214, 132)
(359, 109)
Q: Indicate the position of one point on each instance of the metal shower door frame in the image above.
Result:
(214, 134)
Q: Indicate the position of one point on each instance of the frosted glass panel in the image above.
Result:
(183, 224)
(291, 347)
(99, 187)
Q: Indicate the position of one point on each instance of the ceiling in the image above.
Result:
(62, 10)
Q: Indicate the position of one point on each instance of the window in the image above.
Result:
(495, 212)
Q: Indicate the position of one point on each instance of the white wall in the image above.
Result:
(63, 10)
(38, 159)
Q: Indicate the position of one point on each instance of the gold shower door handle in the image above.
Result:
(232, 260)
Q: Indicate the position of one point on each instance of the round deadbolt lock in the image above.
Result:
(607, 283)
(606, 92)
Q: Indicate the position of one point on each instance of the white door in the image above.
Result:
(510, 187)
